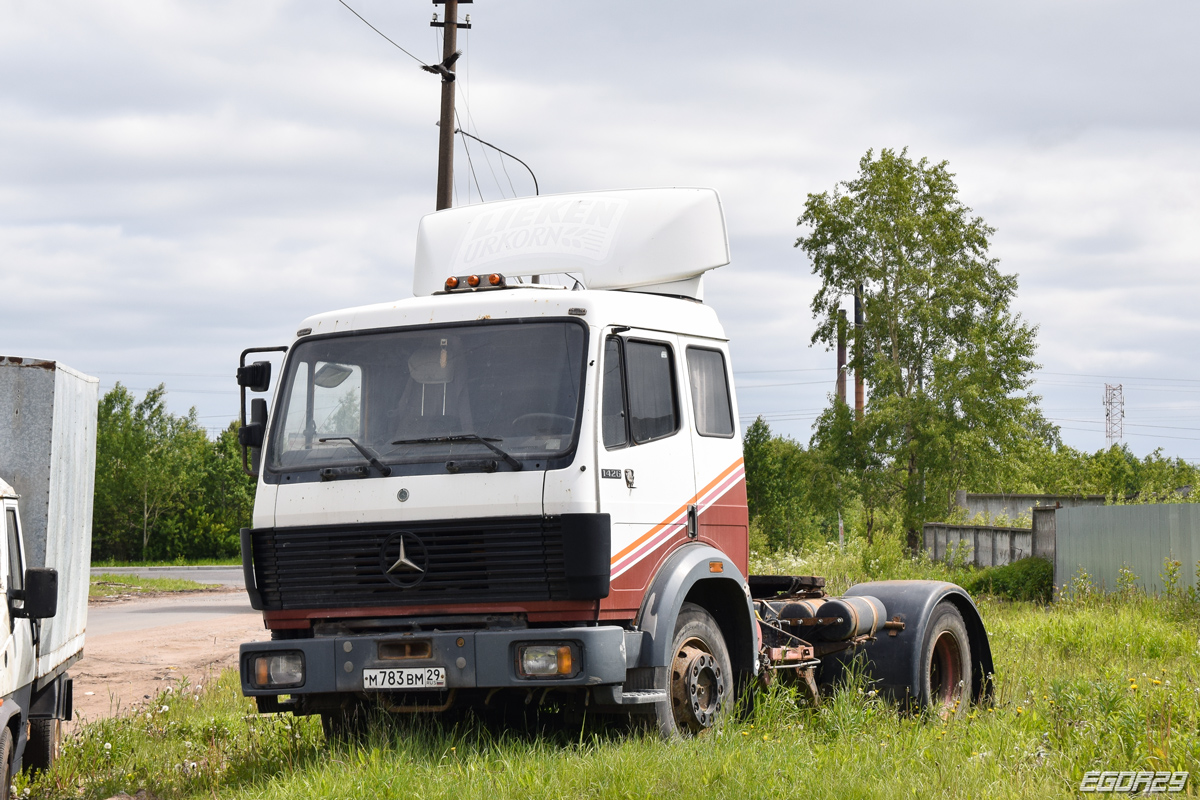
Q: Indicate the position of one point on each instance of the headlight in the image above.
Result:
(552, 660)
(278, 670)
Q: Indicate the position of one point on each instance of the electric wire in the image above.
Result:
(466, 96)
(470, 163)
(384, 35)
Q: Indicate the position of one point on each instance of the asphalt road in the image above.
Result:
(226, 576)
(153, 612)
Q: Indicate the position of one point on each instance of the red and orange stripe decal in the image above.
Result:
(649, 541)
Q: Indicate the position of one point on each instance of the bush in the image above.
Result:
(1027, 579)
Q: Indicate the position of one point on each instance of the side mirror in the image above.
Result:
(40, 595)
(252, 434)
(256, 377)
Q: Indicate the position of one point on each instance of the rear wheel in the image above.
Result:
(45, 739)
(946, 661)
(699, 679)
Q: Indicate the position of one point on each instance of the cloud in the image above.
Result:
(181, 180)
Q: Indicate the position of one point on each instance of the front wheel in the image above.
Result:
(946, 661)
(699, 679)
(6, 754)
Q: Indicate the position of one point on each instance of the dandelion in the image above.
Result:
(745, 733)
(1133, 687)
(766, 736)
(1020, 710)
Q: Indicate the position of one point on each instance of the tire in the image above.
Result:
(348, 724)
(946, 662)
(699, 681)
(6, 754)
(45, 740)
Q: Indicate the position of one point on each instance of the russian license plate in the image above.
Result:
(420, 678)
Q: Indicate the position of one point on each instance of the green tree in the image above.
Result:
(947, 362)
(780, 474)
(152, 469)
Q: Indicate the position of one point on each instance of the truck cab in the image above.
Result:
(28, 735)
(526, 481)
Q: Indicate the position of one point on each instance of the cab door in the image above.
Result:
(722, 517)
(646, 477)
(17, 660)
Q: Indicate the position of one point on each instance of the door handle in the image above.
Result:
(629, 478)
(693, 527)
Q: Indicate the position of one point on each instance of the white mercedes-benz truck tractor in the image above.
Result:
(524, 486)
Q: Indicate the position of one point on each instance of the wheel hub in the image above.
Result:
(697, 687)
(945, 670)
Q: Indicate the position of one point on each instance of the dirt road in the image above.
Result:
(141, 646)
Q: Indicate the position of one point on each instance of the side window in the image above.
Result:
(650, 374)
(16, 575)
(710, 392)
(612, 411)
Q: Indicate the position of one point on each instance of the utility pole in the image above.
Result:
(449, 26)
(858, 355)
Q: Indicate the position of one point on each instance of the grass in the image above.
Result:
(232, 561)
(112, 585)
(1091, 682)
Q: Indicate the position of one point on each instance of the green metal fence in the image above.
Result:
(1102, 540)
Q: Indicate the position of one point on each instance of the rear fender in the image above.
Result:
(689, 575)
(894, 662)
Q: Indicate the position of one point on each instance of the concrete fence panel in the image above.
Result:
(981, 545)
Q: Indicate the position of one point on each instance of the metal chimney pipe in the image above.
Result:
(858, 354)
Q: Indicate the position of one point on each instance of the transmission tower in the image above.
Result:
(1114, 413)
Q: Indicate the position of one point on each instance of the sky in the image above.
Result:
(181, 180)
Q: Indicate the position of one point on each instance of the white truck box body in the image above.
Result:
(48, 455)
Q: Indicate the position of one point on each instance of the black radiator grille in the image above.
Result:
(509, 559)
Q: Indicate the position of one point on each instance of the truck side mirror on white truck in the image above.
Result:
(254, 377)
(40, 595)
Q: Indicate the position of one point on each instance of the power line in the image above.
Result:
(1120, 377)
(536, 190)
(384, 35)
(773, 385)
(470, 163)
(766, 371)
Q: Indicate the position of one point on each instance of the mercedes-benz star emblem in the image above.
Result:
(403, 559)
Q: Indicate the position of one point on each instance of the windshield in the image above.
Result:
(431, 395)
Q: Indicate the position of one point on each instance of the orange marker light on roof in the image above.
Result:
(473, 281)
(494, 279)
(451, 283)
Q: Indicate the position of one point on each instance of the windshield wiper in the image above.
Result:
(373, 459)
(467, 437)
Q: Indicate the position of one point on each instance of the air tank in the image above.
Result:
(861, 616)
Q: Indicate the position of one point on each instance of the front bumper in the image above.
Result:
(472, 659)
